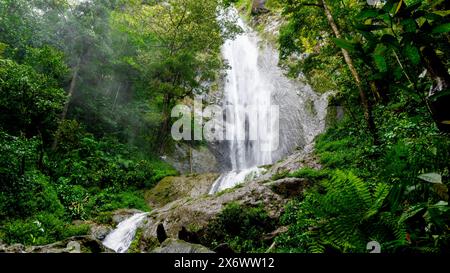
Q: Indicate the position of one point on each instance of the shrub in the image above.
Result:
(41, 229)
(108, 200)
(242, 228)
(344, 218)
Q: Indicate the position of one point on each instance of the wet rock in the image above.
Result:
(289, 187)
(100, 232)
(179, 246)
(123, 214)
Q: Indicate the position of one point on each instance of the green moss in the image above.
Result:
(280, 175)
(134, 247)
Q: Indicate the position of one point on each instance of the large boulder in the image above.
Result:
(298, 160)
(178, 246)
(173, 188)
(289, 187)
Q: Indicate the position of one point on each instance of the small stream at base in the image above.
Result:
(121, 238)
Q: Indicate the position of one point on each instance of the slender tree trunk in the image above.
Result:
(348, 60)
(165, 122)
(73, 84)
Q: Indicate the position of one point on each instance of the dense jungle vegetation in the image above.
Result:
(386, 166)
(86, 91)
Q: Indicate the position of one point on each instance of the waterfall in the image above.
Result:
(120, 239)
(255, 79)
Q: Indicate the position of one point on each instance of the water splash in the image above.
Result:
(120, 239)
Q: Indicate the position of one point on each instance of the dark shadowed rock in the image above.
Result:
(161, 233)
(187, 236)
(179, 246)
(259, 6)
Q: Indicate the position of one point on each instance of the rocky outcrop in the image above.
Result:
(196, 213)
(123, 214)
(178, 246)
(99, 232)
(289, 187)
(173, 188)
(298, 160)
(78, 244)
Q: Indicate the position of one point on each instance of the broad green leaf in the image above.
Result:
(380, 62)
(412, 53)
(409, 25)
(367, 13)
(431, 178)
(442, 28)
(342, 43)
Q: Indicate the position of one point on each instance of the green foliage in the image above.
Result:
(40, 230)
(30, 102)
(242, 228)
(108, 200)
(311, 174)
(342, 216)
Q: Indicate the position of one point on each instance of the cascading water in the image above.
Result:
(254, 79)
(120, 239)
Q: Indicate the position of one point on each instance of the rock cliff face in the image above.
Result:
(186, 159)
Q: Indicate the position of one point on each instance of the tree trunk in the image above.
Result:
(348, 60)
(73, 84)
(165, 122)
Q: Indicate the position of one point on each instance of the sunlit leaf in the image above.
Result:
(431, 178)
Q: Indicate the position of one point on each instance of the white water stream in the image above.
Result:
(121, 238)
